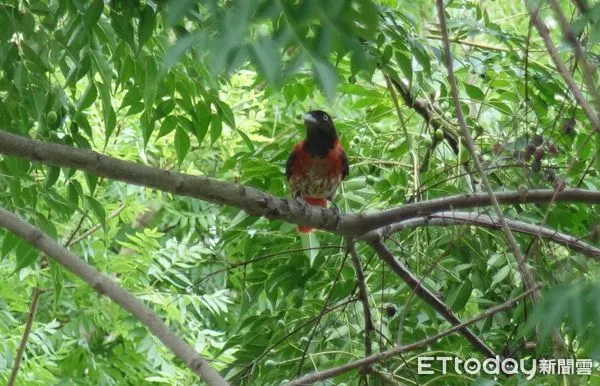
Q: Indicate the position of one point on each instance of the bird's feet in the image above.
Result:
(302, 202)
(338, 214)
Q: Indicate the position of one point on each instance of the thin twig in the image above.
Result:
(470, 43)
(323, 312)
(413, 155)
(320, 376)
(363, 294)
(35, 299)
(97, 226)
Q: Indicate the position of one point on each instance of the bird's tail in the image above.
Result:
(322, 202)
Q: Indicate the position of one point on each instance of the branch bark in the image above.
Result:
(320, 376)
(105, 286)
(258, 203)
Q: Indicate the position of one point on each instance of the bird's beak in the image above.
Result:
(308, 118)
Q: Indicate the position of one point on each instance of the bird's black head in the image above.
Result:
(320, 132)
(319, 123)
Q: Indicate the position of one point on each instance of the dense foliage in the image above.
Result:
(216, 88)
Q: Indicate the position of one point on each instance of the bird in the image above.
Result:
(317, 165)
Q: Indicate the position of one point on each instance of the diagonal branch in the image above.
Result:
(320, 376)
(415, 284)
(589, 69)
(488, 221)
(526, 273)
(363, 295)
(105, 286)
(562, 69)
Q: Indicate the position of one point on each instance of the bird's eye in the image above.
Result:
(325, 117)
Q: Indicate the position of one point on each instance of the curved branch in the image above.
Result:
(365, 223)
(105, 286)
(258, 203)
(491, 221)
(315, 377)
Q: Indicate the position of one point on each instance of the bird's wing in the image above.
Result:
(345, 165)
(289, 163)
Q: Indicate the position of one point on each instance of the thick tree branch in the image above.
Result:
(415, 284)
(363, 295)
(105, 286)
(312, 378)
(489, 221)
(259, 203)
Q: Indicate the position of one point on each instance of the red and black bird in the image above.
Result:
(317, 165)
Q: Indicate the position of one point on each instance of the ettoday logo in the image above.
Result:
(509, 366)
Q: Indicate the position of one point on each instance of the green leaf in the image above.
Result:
(216, 128)
(72, 194)
(226, 114)
(462, 295)
(110, 117)
(121, 24)
(91, 180)
(150, 82)
(182, 143)
(181, 47)
(202, 118)
(26, 255)
(98, 210)
(147, 124)
(46, 226)
(500, 275)
(310, 243)
(405, 64)
(92, 14)
(88, 97)
(474, 92)
(177, 9)
(146, 25)
(168, 124)
(9, 243)
(52, 176)
(267, 59)
(327, 77)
